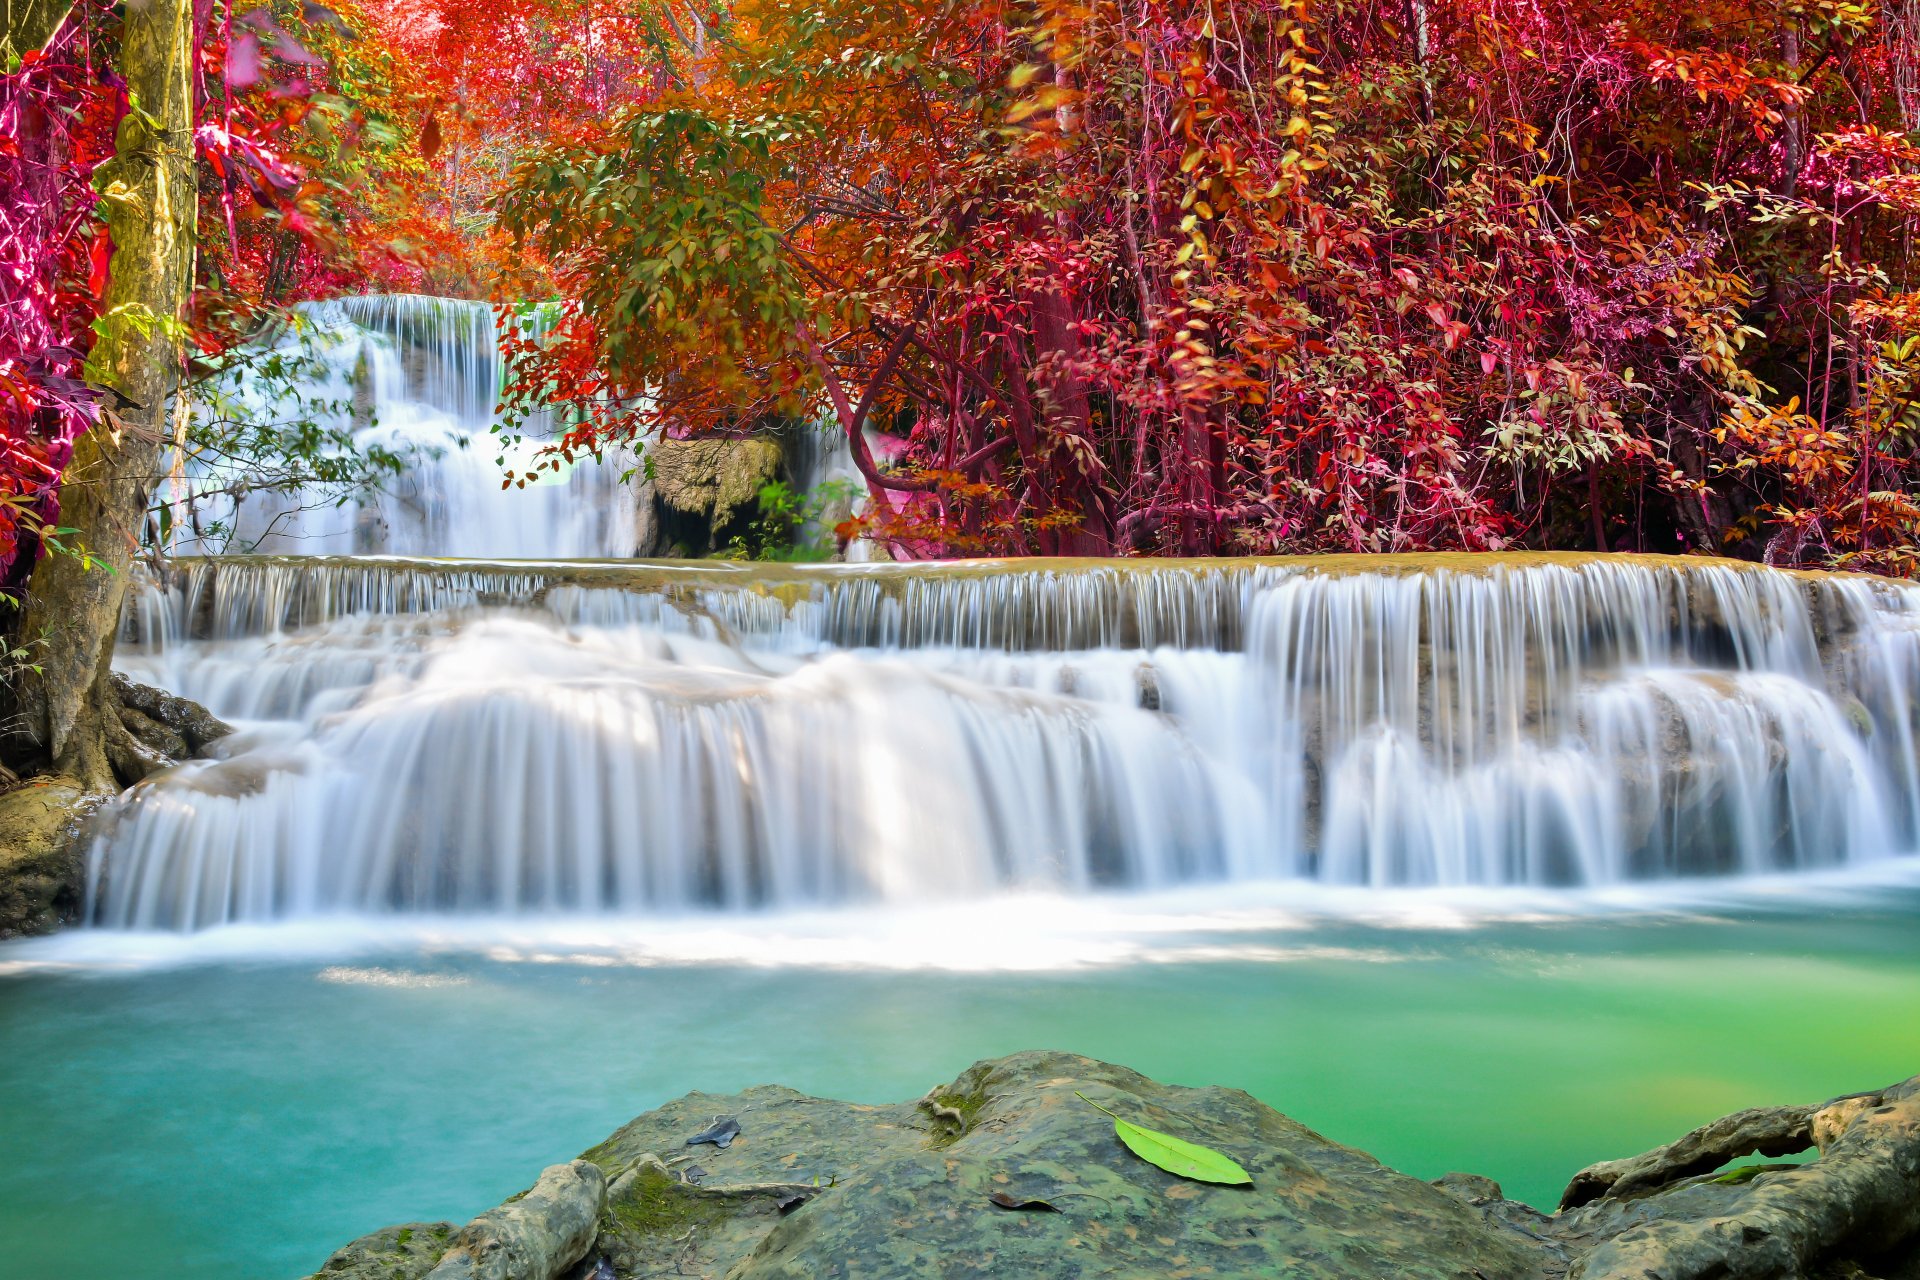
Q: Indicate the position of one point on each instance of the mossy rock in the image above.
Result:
(908, 1190)
(405, 1252)
(1008, 1171)
(41, 871)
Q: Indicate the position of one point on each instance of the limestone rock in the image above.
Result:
(1007, 1172)
(40, 873)
(715, 481)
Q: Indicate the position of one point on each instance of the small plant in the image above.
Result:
(792, 527)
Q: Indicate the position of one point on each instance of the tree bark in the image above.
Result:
(30, 24)
(148, 187)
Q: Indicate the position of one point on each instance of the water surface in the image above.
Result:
(235, 1104)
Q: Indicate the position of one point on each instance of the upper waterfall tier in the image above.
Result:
(417, 378)
(543, 736)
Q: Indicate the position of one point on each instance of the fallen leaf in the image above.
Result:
(721, 1134)
(1176, 1155)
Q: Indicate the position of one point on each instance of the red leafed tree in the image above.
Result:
(58, 108)
(1265, 276)
(1073, 276)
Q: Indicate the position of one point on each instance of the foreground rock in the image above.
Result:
(1006, 1172)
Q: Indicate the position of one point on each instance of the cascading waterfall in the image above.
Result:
(417, 377)
(539, 737)
(567, 735)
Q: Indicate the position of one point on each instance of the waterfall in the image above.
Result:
(512, 738)
(416, 378)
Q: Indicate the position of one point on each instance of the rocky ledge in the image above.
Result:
(1007, 1172)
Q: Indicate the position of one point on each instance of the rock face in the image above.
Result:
(702, 492)
(40, 871)
(1007, 1172)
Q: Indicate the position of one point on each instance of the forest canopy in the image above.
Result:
(1245, 276)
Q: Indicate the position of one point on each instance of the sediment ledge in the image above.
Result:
(1009, 1172)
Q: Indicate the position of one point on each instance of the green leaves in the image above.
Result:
(1176, 1155)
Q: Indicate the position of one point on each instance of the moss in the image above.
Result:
(655, 1202)
(969, 1104)
(606, 1155)
(1748, 1172)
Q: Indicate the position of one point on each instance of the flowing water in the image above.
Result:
(501, 739)
(1506, 863)
(233, 1104)
(417, 378)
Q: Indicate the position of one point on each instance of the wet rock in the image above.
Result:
(41, 830)
(935, 1188)
(1146, 682)
(154, 735)
(179, 719)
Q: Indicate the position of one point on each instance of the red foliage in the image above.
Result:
(58, 111)
(1261, 275)
(1265, 275)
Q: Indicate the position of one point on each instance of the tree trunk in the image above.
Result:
(30, 24)
(149, 191)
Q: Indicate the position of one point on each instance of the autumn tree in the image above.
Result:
(1269, 277)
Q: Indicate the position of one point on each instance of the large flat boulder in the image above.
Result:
(1011, 1170)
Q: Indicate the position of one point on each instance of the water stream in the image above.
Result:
(503, 739)
(418, 378)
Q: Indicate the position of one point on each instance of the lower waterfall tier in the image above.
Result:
(551, 738)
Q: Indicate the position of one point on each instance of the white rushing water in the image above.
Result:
(529, 739)
(418, 378)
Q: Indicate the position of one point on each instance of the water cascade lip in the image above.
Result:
(521, 740)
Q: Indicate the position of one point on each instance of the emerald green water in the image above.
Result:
(236, 1107)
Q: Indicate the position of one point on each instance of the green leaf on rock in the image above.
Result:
(1177, 1156)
